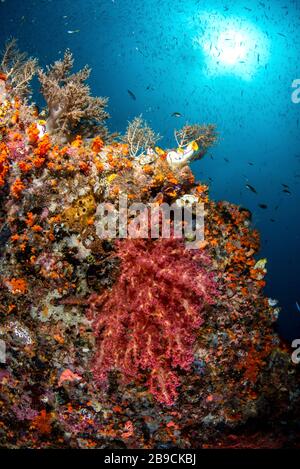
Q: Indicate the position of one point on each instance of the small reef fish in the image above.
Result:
(264, 206)
(286, 191)
(298, 306)
(176, 114)
(73, 31)
(132, 95)
(251, 188)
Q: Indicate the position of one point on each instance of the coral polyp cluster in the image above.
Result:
(137, 343)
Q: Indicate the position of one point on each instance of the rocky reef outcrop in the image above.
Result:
(128, 342)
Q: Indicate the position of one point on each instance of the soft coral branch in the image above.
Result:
(18, 68)
(148, 323)
(70, 105)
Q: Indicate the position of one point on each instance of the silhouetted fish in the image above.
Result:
(264, 206)
(251, 188)
(176, 114)
(132, 95)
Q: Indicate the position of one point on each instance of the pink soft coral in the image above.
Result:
(148, 323)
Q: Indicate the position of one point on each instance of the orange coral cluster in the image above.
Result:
(33, 134)
(228, 230)
(17, 188)
(16, 285)
(42, 422)
(97, 144)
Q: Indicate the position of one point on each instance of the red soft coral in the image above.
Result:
(148, 323)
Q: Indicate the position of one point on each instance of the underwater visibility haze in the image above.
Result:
(229, 309)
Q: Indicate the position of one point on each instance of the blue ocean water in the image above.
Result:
(231, 63)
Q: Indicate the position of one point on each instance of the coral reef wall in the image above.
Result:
(129, 343)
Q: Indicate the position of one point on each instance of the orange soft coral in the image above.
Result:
(33, 134)
(43, 146)
(97, 144)
(16, 285)
(17, 188)
(4, 163)
(77, 142)
(42, 422)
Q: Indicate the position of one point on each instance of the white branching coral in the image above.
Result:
(204, 135)
(193, 142)
(139, 137)
(71, 109)
(18, 68)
